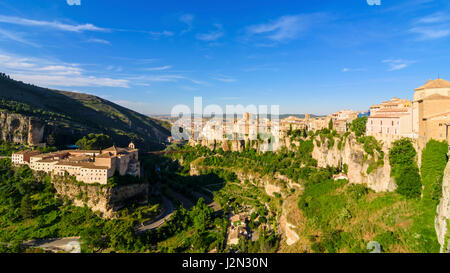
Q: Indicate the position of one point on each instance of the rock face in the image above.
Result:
(21, 129)
(443, 210)
(105, 200)
(352, 154)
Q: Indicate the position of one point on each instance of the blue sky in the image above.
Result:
(310, 56)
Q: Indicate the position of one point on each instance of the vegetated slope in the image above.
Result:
(70, 115)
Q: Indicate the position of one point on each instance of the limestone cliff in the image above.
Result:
(106, 200)
(443, 211)
(353, 154)
(21, 129)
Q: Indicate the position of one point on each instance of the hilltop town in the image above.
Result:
(426, 117)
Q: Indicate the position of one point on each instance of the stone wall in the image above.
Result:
(106, 200)
(352, 154)
(443, 210)
(21, 129)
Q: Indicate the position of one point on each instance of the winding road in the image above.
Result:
(168, 211)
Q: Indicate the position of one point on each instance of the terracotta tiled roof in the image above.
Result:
(439, 83)
(111, 149)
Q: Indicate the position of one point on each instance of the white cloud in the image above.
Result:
(56, 25)
(99, 41)
(397, 64)
(157, 35)
(430, 33)
(353, 69)
(434, 26)
(14, 36)
(74, 2)
(47, 73)
(188, 19)
(160, 68)
(438, 17)
(164, 78)
(70, 81)
(223, 78)
(285, 28)
(212, 35)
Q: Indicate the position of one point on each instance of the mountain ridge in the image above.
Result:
(71, 115)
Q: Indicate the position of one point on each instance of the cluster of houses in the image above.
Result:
(88, 166)
(426, 117)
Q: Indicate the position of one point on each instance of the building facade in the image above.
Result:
(88, 166)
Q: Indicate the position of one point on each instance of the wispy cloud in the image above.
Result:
(165, 78)
(160, 68)
(223, 78)
(188, 19)
(55, 25)
(285, 28)
(212, 35)
(397, 64)
(53, 73)
(438, 17)
(14, 36)
(74, 2)
(430, 33)
(157, 35)
(353, 69)
(433, 26)
(99, 41)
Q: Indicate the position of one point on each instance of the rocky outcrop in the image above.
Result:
(443, 211)
(106, 200)
(234, 145)
(21, 129)
(353, 154)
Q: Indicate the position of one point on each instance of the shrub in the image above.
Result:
(404, 168)
(434, 161)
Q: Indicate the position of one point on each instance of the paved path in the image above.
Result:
(68, 244)
(168, 211)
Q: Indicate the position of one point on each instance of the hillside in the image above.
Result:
(69, 115)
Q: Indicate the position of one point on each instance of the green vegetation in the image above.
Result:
(404, 168)
(7, 148)
(95, 142)
(30, 210)
(434, 161)
(358, 126)
(341, 217)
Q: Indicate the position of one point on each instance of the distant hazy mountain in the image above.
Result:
(70, 115)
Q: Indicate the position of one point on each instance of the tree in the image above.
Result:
(358, 126)
(404, 168)
(95, 142)
(330, 124)
(26, 208)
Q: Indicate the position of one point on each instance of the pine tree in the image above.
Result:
(26, 208)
